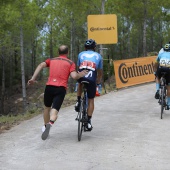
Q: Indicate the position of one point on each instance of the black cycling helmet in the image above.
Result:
(166, 47)
(90, 44)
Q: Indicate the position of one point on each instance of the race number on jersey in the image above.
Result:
(165, 62)
(88, 65)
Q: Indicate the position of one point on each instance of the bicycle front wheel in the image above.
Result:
(80, 123)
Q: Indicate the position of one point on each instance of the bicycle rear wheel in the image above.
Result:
(162, 101)
(80, 123)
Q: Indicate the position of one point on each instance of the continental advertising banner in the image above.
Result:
(103, 28)
(134, 71)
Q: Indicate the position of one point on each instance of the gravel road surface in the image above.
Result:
(128, 134)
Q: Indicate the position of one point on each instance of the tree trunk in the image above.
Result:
(152, 35)
(33, 55)
(71, 85)
(11, 71)
(22, 66)
(128, 39)
(51, 41)
(144, 30)
(3, 83)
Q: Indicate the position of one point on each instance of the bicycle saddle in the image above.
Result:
(84, 82)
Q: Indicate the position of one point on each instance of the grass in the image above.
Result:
(35, 108)
(6, 122)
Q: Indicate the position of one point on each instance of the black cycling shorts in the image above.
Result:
(167, 76)
(54, 96)
(91, 88)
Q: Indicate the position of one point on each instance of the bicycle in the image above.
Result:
(82, 117)
(162, 93)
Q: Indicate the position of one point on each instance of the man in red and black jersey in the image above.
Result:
(60, 68)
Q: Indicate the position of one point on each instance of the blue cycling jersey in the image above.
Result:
(92, 61)
(164, 59)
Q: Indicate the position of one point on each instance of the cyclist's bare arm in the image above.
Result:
(37, 71)
(155, 66)
(78, 75)
(99, 76)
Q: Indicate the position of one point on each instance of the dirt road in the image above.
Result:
(128, 134)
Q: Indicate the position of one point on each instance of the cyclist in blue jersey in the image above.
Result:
(162, 64)
(157, 80)
(92, 61)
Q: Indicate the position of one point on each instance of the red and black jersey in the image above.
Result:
(59, 70)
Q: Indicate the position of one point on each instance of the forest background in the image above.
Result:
(32, 30)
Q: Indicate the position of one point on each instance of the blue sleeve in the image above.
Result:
(158, 58)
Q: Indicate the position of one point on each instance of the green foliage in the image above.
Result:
(14, 119)
(48, 24)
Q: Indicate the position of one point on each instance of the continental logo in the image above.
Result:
(92, 29)
(126, 72)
